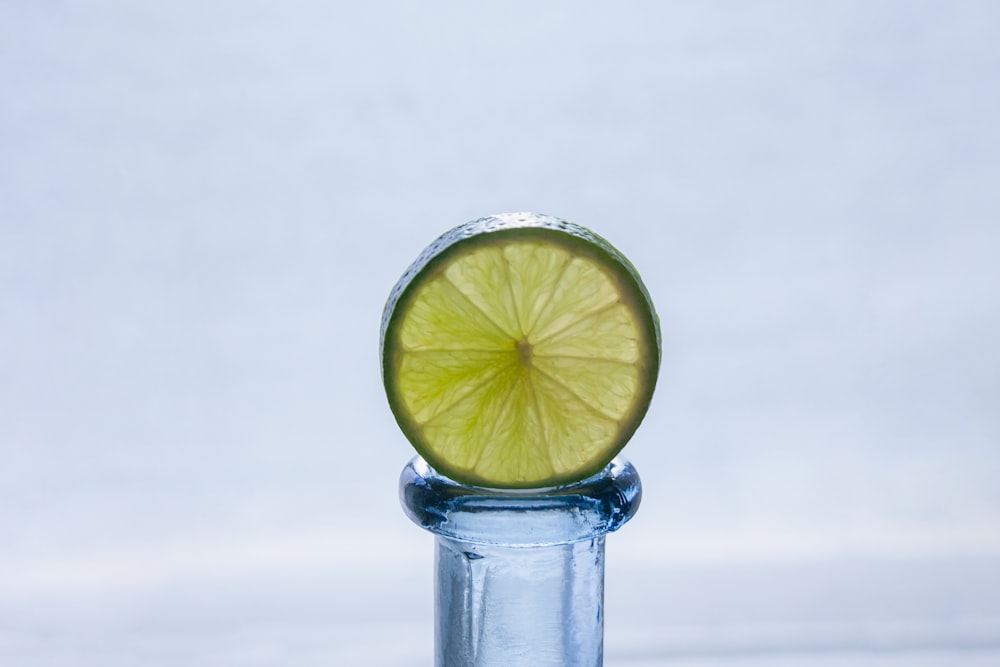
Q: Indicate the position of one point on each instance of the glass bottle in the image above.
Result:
(519, 574)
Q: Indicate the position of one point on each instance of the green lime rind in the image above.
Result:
(502, 228)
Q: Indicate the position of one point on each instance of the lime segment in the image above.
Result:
(519, 351)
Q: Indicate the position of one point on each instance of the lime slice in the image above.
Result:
(519, 351)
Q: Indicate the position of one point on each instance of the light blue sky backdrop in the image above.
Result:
(203, 208)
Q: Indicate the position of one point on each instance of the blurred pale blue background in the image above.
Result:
(203, 207)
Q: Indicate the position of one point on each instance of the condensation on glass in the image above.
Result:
(519, 574)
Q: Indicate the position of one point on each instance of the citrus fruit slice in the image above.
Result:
(519, 351)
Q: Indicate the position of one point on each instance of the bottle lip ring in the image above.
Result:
(520, 517)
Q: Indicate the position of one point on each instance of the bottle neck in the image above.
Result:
(520, 575)
(503, 606)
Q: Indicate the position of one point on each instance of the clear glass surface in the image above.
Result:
(520, 574)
